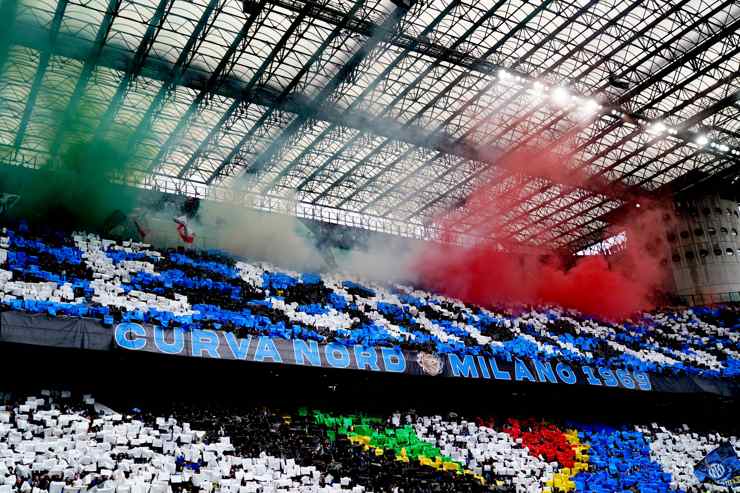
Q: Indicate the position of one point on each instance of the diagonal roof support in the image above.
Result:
(223, 67)
(597, 235)
(429, 28)
(236, 90)
(134, 68)
(674, 8)
(551, 35)
(690, 54)
(241, 96)
(696, 119)
(507, 101)
(684, 127)
(90, 63)
(299, 120)
(183, 61)
(38, 79)
(339, 78)
(437, 97)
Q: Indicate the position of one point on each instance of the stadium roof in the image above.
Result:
(382, 113)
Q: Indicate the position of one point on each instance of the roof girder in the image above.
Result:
(87, 70)
(205, 22)
(289, 133)
(38, 78)
(561, 115)
(134, 68)
(552, 34)
(682, 128)
(214, 79)
(437, 97)
(371, 87)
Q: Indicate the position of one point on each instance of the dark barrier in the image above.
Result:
(89, 334)
(62, 332)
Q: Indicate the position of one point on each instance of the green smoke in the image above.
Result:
(80, 190)
(81, 184)
(83, 181)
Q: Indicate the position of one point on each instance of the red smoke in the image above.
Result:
(612, 287)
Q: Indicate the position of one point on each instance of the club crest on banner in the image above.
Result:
(721, 466)
(431, 364)
(716, 471)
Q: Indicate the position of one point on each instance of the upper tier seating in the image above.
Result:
(53, 442)
(84, 275)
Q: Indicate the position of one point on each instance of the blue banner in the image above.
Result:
(721, 466)
(265, 349)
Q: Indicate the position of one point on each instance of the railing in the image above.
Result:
(709, 298)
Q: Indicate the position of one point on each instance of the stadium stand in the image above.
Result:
(569, 170)
(60, 443)
(86, 276)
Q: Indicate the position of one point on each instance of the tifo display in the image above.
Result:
(54, 442)
(178, 291)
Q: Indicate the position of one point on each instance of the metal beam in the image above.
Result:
(682, 128)
(624, 42)
(90, 63)
(428, 29)
(612, 21)
(682, 132)
(388, 26)
(244, 91)
(214, 80)
(275, 204)
(158, 69)
(666, 69)
(551, 35)
(434, 100)
(696, 119)
(134, 67)
(301, 118)
(183, 61)
(38, 79)
(402, 40)
(595, 236)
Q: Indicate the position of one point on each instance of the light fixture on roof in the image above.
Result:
(590, 106)
(702, 140)
(538, 90)
(657, 128)
(561, 96)
(503, 75)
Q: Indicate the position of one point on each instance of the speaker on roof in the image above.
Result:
(248, 6)
(404, 4)
(619, 82)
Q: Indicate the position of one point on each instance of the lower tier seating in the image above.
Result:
(83, 275)
(58, 443)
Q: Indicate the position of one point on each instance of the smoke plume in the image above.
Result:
(481, 273)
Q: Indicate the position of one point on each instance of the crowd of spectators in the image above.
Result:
(61, 443)
(83, 275)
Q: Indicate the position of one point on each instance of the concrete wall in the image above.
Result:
(705, 248)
